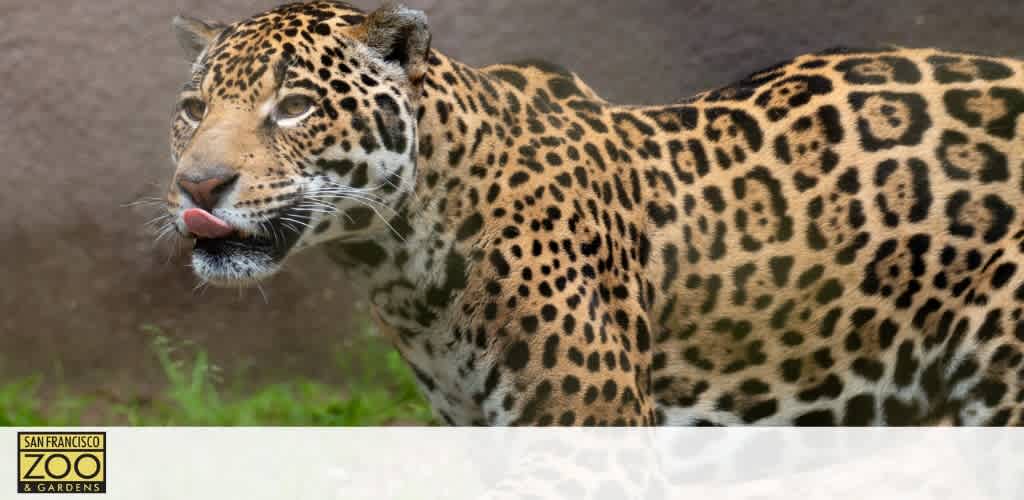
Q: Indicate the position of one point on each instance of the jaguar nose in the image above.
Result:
(207, 187)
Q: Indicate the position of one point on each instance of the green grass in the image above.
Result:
(383, 391)
(21, 405)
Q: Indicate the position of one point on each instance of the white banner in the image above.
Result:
(475, 463)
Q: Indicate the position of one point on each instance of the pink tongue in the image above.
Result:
(204, 225)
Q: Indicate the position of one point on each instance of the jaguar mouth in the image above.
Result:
(225, 255)
(276, 246)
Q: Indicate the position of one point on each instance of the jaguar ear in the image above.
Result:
(400, 35)
(194, 35)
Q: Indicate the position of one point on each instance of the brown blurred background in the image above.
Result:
(87, 89)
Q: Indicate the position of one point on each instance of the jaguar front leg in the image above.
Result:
(567, 368)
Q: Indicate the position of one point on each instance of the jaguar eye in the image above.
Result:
(293, 106)
(194, 109)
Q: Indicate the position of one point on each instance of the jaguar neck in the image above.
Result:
(455, 141)
(459, 153)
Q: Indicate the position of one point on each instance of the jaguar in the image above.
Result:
(834, 240)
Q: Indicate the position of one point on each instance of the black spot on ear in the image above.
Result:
(400, 35)
(398, 53)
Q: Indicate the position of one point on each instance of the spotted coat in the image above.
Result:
(833, 240)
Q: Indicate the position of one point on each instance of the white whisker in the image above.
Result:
(156, 220)
(167, 230)
(262, 292)
(386, 223)
(294, 221)
(200, 287)
(147, 201)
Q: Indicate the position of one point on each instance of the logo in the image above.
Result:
(62, 462)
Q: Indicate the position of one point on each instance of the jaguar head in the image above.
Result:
(296, 126)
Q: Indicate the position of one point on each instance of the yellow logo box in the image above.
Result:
(62, 462)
